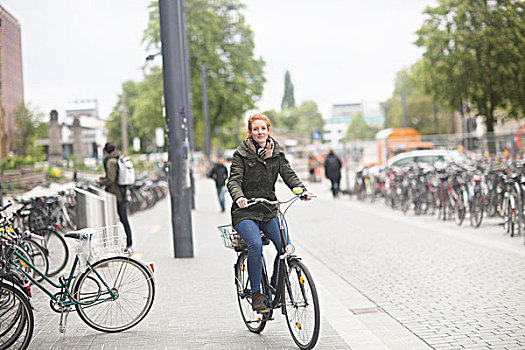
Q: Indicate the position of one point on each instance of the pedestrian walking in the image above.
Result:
(312, 164)
(111, 156)
(219, 173)
(256, 163)
(332, 170)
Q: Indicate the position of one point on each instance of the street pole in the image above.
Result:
(187, 97)
(205, 114)
(171, 30)
(124, 124)
(187, 79)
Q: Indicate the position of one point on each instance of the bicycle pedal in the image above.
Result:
(263, 311)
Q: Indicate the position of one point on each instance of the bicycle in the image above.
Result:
(111, 294)
(295, 292)
(16, 314)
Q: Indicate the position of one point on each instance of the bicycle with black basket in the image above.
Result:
(295, 292)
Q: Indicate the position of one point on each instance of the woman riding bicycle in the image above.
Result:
(255, 166)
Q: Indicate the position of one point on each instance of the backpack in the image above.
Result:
(126, 173)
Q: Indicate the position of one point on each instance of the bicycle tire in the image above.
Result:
(254, 322)
(38, 257)
(20, 332)
(476, 212)
(19, 263)
(460, 209)
(123, 275)
(56, 248)
(301, 302)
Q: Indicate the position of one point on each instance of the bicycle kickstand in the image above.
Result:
(63, 319)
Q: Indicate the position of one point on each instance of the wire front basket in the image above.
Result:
(107, 242)
(231, 238)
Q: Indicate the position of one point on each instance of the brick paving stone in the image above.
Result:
(420, 273)
(195, 304)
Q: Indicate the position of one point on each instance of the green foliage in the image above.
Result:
(28, 128)
(423, 112)
(305, 118)
(288, 101)
(143, 107)
(358, 129)
(474, 53)
(15, 161)
(222, 41)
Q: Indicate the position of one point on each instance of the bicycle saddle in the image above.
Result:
(83, 233)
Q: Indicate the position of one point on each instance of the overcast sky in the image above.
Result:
(337, 51)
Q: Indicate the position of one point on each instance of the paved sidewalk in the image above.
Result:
(195, 305)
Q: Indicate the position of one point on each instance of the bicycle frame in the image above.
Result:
(64, 293)
(282, 266)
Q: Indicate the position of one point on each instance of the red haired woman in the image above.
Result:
(256, 164)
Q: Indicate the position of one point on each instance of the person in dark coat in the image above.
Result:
(332, 170)
(256, 164)
(111, 156)
(219, 173)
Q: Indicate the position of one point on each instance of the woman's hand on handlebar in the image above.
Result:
(307, 196)
(241, 202)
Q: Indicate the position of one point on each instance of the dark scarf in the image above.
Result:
(261, 151)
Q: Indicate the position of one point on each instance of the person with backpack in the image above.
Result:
(114, 183)
(219, 173)
(332, 170)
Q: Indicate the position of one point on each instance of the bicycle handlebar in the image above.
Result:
(253, 201)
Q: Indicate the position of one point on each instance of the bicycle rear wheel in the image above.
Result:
(254, 321)
(133, 289)
(301, 305)
(16, 328)
(56, 248)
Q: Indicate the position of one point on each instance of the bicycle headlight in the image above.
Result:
(289, 249)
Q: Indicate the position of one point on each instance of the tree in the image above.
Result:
(423, 112)
(288, 101)
(358, 129)
(28, 127)
(143, 106)
(305, 118)
(474, 54)
(225, 46)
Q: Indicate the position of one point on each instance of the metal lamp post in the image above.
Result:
(175, 102)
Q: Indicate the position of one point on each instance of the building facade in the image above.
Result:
(336, 126)
(81, 133)
(11, 78)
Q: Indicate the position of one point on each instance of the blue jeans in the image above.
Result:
(250, 232)
(221, 191)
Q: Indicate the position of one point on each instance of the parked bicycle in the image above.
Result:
(110, 291)
(295, 292)
(16, 313)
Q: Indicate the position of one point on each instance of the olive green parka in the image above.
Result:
(254, 177)
(110, 180)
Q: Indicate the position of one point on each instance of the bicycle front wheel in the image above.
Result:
(476, 212)
(16, 328)
(38, 258)
(114, 294)
(254, 321)
(301, 305)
